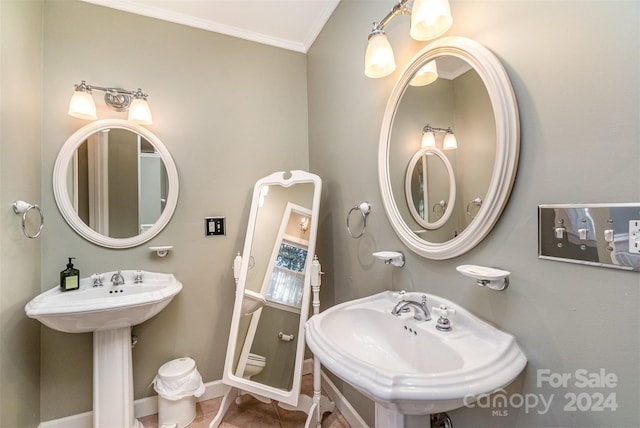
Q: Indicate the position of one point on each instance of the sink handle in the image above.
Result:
(443, 311)
(97, 279)
(443, 323)
(138, 277)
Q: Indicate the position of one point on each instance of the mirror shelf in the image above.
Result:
(507, 144)
(67, 208)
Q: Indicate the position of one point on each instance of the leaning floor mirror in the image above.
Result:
(265, 351)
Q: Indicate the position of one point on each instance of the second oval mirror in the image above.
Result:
(430, 189)
(448, 149)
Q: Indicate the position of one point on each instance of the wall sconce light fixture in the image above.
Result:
(429, 19)
(82, 105)
(429, 138)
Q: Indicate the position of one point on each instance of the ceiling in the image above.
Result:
(287, 24)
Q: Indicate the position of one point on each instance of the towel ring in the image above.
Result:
(439, 207)
(22, 207)
(365, 210)
(477, 202)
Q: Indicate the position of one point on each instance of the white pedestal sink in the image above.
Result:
(408, 367)
(108, 311)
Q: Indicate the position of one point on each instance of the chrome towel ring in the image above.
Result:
(22, 207)
(365, 210)
(478, 203)
(439, 208)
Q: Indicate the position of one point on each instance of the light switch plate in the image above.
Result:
(214, 226)
(606, 235)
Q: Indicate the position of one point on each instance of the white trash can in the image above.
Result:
(177, 383)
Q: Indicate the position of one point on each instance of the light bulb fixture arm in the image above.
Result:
(83, 106)
(83, 86)
(399, 9)
(429, 128)
(116, 98)
(429, 19)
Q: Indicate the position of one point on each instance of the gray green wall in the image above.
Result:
(230, 112)
(575, 68)
(20, 259)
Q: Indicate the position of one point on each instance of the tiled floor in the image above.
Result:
(255, 414)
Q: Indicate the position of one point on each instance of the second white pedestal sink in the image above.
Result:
(407, 366)
(108, 311)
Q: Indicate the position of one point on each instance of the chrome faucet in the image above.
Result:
(117, 278)
(420, 310)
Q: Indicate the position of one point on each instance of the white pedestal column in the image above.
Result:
(113, 380)
(386, 418)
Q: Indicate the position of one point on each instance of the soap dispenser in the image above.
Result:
(70, 277)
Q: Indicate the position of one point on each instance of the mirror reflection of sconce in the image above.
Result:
(82, 105)
(429, 137)
(429, 19)
(426, 75)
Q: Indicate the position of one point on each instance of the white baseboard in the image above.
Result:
(142, 407)
(81, 420)
(149, 405)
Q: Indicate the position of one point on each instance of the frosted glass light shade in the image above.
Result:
(139, 112)
(426, 75)
(428, 139)
(430, 19)
(378, 60)
(450, 142)
(82, 106)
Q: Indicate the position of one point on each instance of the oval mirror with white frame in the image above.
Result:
(265, 351)
(472, 98)
(430, 187)
(115, 183)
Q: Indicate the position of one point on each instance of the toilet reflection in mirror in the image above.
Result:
(281, 288)
(265, 353)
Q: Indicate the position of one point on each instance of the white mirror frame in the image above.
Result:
(505, 110)
(66, 206)
(229, 377)
(426, 151)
